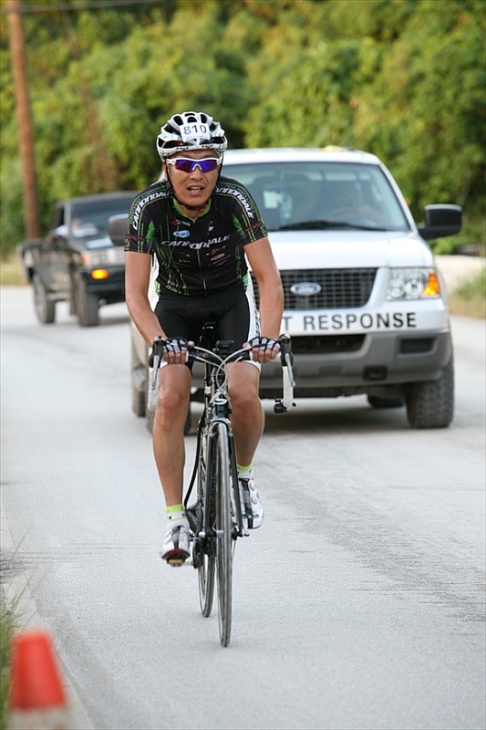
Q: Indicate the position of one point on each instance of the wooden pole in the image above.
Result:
(26, 136)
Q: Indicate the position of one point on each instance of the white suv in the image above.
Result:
(365, 304)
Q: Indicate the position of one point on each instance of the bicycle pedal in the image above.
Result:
(175, 562)
(175, 559)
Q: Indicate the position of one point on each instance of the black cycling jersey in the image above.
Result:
(201, 256)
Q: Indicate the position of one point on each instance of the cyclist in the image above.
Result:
(202, 229)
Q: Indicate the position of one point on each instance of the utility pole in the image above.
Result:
(22, 104)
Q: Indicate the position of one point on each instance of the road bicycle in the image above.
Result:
(218, 518)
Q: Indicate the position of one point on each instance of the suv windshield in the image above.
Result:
(319, 195)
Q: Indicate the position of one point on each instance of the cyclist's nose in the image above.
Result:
(196, 173)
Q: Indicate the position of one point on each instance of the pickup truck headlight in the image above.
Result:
(103, 257)
(413, 284)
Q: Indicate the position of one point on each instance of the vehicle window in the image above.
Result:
(57, 217)
(315, 193)
(91, 218)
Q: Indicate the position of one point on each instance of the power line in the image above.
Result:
(82, 5)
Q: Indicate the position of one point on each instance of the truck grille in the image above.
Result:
(340, 288)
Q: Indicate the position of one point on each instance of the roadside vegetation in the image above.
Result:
(469, 297)
(7, 626)
(402, 79)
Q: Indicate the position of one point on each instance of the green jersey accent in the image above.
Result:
(201, 256)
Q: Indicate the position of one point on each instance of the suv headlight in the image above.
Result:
(413, 284)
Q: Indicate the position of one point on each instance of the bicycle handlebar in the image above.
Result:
(222, 354)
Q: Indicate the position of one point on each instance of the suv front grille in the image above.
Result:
(339, 288)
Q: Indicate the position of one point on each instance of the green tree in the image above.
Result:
(404, 79)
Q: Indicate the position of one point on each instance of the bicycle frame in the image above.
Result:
(216, 409)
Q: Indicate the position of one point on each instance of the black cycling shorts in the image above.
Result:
(233, 311)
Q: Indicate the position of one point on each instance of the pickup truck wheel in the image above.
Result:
(376, 401)
(87, 305)
(431, 404)
(45, 309)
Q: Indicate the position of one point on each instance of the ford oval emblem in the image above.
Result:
(305, 288)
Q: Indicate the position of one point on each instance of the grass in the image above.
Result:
(7, 627)
(469, 297)
(10, 271)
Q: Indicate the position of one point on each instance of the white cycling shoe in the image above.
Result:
(251, 505)
(176, 544)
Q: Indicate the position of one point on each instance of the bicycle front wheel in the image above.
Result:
(224, 556)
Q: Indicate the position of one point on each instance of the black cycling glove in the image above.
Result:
(264, 343)
(176, 345)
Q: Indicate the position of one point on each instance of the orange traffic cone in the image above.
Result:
(37, 698)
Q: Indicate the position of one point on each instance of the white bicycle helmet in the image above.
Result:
(190, 131)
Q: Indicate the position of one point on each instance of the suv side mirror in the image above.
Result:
(440, 221)
(117, 228)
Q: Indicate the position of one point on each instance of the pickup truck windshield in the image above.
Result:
(321, 195)
(90, 219)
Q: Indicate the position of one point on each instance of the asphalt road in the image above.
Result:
(359, 604)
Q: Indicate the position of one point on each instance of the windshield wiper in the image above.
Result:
(321, 225)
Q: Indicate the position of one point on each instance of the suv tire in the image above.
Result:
(431, 404)
(139, 377)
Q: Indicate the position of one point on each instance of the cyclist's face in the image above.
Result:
(193, 188)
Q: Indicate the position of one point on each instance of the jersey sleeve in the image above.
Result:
(140, 231)
(244, 211)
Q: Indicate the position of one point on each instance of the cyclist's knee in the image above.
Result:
(244, 396)
(243, 385)
(174, 391)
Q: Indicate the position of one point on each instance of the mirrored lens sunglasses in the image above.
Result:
(186, 164)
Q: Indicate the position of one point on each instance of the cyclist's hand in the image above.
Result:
(264, 349)
(175, 350)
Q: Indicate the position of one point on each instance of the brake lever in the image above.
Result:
(156, 358)
(283, 404)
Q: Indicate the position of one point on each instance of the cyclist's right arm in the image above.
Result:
(137, 279)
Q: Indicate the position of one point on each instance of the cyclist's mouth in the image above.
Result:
(195, 190)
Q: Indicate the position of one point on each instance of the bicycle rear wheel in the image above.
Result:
(205, 548)
(224, 555)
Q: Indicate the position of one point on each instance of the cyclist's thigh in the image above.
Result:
(174, 386)
(171, 311)
(239, 320)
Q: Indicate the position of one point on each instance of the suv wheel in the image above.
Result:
(45, 309)
(431, 404)
(139, 378)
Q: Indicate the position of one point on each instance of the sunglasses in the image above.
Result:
(186, 164)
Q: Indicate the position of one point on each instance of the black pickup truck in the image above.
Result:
(77, 261)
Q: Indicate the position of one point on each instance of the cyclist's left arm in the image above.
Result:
(261, 260)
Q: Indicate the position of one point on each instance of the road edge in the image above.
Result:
(18, 598)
